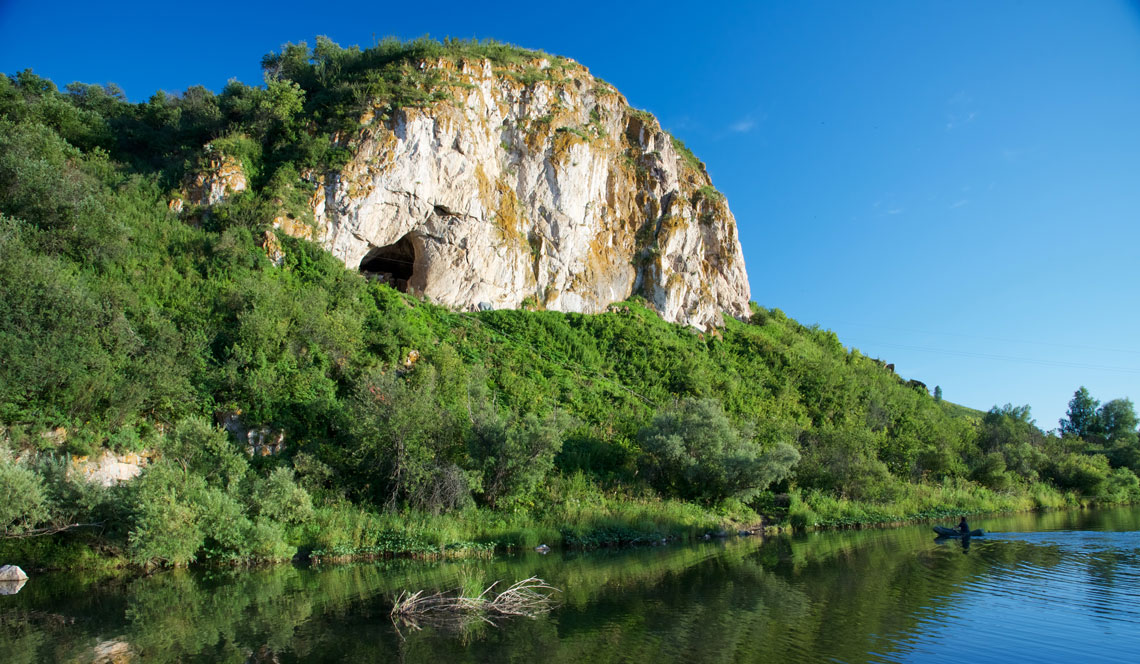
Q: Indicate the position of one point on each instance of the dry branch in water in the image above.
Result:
(528, 598)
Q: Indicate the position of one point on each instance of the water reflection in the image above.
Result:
(872, 595)
(962, 542)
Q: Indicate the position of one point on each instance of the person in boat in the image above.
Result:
(963, 527)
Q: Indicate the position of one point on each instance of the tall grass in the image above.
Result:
(576, 512)
(921, 501)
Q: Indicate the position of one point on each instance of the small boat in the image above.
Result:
(952, 532)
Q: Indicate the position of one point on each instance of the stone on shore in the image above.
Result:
(12, 573)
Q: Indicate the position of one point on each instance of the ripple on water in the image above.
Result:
(1055, 596)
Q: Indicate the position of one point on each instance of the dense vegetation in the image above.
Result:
(408, 427)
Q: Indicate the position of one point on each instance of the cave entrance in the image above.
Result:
(392, 264)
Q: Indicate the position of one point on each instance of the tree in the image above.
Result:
(1118, 427)
(1081, 418)
(938, 393)
(1116, 421)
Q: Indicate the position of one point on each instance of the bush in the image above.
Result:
(515, 456)
(71, 497)
(165, 523)
(1085, 474)
(844, 461)
(280, 499)
(207, 451)
(23, 500)
(266, 541)
(224, 524)
(801, 517)
(406, 440)
(991, 472)
(693, 451)
(126, 439)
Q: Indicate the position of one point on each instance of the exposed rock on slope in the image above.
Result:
(534, 184)
(220, 176)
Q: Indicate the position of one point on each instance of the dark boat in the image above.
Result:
(951, 532)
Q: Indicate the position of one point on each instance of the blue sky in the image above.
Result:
(953, 187)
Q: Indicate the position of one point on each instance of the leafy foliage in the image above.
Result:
(515, 456)
(1080, 420)
(133, 328)
(23, 500)
(692, 450)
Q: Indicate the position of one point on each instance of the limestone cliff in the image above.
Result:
(532, 185)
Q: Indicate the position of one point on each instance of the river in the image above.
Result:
(1055, 587)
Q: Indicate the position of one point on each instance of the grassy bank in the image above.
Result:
(920, 502)
(576, 514)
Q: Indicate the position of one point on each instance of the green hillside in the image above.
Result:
(409, 428)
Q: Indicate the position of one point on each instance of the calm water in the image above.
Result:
(1061, 587)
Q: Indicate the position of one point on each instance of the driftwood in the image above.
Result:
(528, 598)
(49, 530)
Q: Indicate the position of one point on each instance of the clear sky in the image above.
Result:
(953, 187)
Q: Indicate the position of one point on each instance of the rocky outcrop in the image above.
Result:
(272, 247)
(113, 652)
(259, 441)
(109, 468)
(219, 176)
(535, 184)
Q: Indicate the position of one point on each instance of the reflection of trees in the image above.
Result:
(827, 595)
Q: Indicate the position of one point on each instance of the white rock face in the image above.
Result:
(552, 191)
(109, 468)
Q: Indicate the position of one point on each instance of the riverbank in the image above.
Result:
(910, 503)
(576, 515)
(793, 590)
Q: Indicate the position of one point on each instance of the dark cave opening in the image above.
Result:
(392, 264)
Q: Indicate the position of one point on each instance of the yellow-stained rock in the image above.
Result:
(531, 183)
(220, 176)
(109, 468)
(272, 247)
